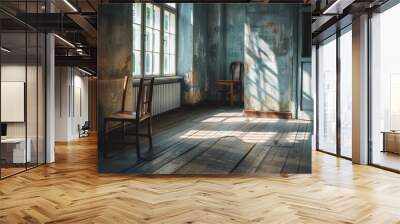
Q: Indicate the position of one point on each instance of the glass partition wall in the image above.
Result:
(334, 83)
(385, 89)
(327, 95)
(22, 100)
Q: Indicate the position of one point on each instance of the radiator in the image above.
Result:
(166, 97)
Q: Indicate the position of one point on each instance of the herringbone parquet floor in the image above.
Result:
(71, 191)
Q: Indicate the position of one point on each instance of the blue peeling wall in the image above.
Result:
(270, 53)
(265, 36)
(185, 48)
(234, 28)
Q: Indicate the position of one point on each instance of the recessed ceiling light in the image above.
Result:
(5, 50)
(70, 5)
(84, 71)
(64, 40)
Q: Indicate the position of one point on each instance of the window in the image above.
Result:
(385, 88)
(169, 43)
(136, 31)
(346, 92)
(327, 95)
(152, 40)
(157, 36)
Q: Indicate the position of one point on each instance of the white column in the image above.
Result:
(360, 90)
(50, 93)
(50, 100)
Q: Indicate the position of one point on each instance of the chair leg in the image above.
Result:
(150, 132)
(137, 141)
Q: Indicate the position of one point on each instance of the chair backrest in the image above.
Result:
(145, 97)
(125, 89)
(237, 70)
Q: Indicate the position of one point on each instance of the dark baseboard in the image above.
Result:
(268, 114)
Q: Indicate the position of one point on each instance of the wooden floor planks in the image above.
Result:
(72, 191)
(217, 141)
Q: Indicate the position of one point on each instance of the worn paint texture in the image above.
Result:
(114, 59)
(262, 35)
(270, 44)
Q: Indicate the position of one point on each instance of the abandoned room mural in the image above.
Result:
(205, 89)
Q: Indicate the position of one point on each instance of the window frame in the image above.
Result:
(163, 8)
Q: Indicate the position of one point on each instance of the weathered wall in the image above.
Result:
(234, 28)
(265, 36)
(114, 29)
(185, 50)
(271, 55)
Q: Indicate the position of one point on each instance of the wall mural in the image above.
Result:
(219, 140)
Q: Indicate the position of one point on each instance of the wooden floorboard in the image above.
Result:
(215, 141)
(72, 191)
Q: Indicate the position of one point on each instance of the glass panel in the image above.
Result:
(31, 99)
(136, 37)
(166, 21)
(156, 36)
(172, 44)
(13, 85)
(166, 43)
(137, 13)
(41, 99)
(346, 94)
(166, 64)
(172, 64)
(149, 39)
(172, 24)
(327, 96)
(173, 5)
(148, 63)
(157, 18)
(156, 64)
(136, 63)
(149, 15)
(385, 89)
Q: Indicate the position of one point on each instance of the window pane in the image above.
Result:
(172, 64)
(173, 5)
(137, 13)
(166, 64)
(136, 63)
(149, 39)
(327, 96)
(172, 44)
(156, 36)
(166, 21)
(136, 37)
(148, 63)
(166, 43)
(385, 88)
(149, 15)
(172, 24)
(157, 17)
(346, 94)
(156, 64)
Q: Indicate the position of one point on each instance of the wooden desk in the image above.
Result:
(391, 141)
(231, 84)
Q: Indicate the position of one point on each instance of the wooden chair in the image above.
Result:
(233, 86)
(142, 114)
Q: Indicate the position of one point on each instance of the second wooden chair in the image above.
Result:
(142, 114)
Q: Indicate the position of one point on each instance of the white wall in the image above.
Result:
(71, 102)
(33, 127)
